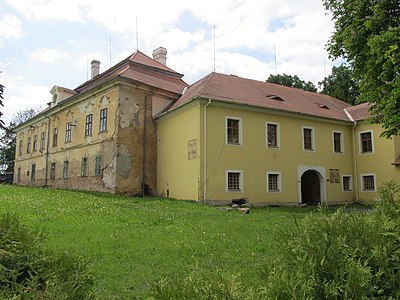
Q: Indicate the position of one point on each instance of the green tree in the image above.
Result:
(1, 104)
(292, 81)
(367, 35)
(8, 139)
(340, 84)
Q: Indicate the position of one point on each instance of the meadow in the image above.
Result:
(133, 242)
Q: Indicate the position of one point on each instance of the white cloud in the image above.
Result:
(10, 28)
(49, 56)
(20, 93)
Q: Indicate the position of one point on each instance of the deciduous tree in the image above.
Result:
(292, 81)
(367, 35)
(340, 84)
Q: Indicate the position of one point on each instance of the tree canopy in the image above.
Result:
(292, 81)
(341, 84)
(367, 35)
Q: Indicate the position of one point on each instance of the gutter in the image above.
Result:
(355, 164)
(205, 152)
(47, 151)
(144, 146)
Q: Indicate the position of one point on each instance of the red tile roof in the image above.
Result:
(233, 89)
(141, 68)
(359, 112)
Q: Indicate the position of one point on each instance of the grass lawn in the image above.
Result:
(132, 242)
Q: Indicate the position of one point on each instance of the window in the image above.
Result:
(55, 136)
(20, 147)
(308, 138)
(84, 167)
(274, 182)
(234, 181)
(88, 126)
(33, 172)
(233, 131)
(42, 140)
(347, 183)
(273, 135)
(53, 171)
(103, 120)
(366, 145)
(98, 166)
(28, 145)
(65, 169)
(368, 182)
(68, 132)
(35, 143)
(337, 142)
(19, 174)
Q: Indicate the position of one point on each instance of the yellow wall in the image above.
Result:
(254, 159)
(379, 162)
(178, 173)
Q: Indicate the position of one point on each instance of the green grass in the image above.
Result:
(132, 242)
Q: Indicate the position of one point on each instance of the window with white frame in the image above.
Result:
(53, 171)
(347, 183)
(68, 133)
(308, 139)
(274, 184)
(233, 131)
(42, 140)
(234, 181)
(366, 142)
(55, 136)
(65, 169)
(273, 135)
(103, 120)
(35, 142)
(28, 145)
(98, 170)
(84, 167)
(368, 182)
(88, 125)
(337, 138)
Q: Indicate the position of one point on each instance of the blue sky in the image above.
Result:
(52, 42)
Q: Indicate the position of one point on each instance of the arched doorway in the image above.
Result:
(310, 188)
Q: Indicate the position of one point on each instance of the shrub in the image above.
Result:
(28, 272)
(342, 256)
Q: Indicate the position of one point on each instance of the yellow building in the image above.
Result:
(138, 129)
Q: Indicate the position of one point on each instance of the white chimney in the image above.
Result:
(95, 68)
(160, 55)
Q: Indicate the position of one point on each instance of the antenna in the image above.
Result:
(214, 48)
(276, 67)
(110, 49)
(87, 65)
(137, 36)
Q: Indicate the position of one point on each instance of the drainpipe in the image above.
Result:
(355, 162)
(47, 151)
(205, 152)
(144, 146)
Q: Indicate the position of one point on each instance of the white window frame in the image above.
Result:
(279, 182)
(341, 142)
(240, 131)
(362, 183)
(350, 183)
(278, 135)
(313, 147)
(240, 181)
(360, 142)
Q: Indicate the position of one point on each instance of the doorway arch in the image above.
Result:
(310, 188)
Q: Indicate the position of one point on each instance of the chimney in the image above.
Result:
(160, 55)
(95, 68)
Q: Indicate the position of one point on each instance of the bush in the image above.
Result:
(28, 272)
(342, 256)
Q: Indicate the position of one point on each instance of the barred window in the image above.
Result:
(272, 135)
(234, 181)
(273, 182)
(368, 182)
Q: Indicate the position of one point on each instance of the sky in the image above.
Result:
(52, 42)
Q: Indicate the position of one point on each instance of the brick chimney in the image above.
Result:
(160, 55)
(95, 68)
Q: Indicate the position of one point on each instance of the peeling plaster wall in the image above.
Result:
(130, 154)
